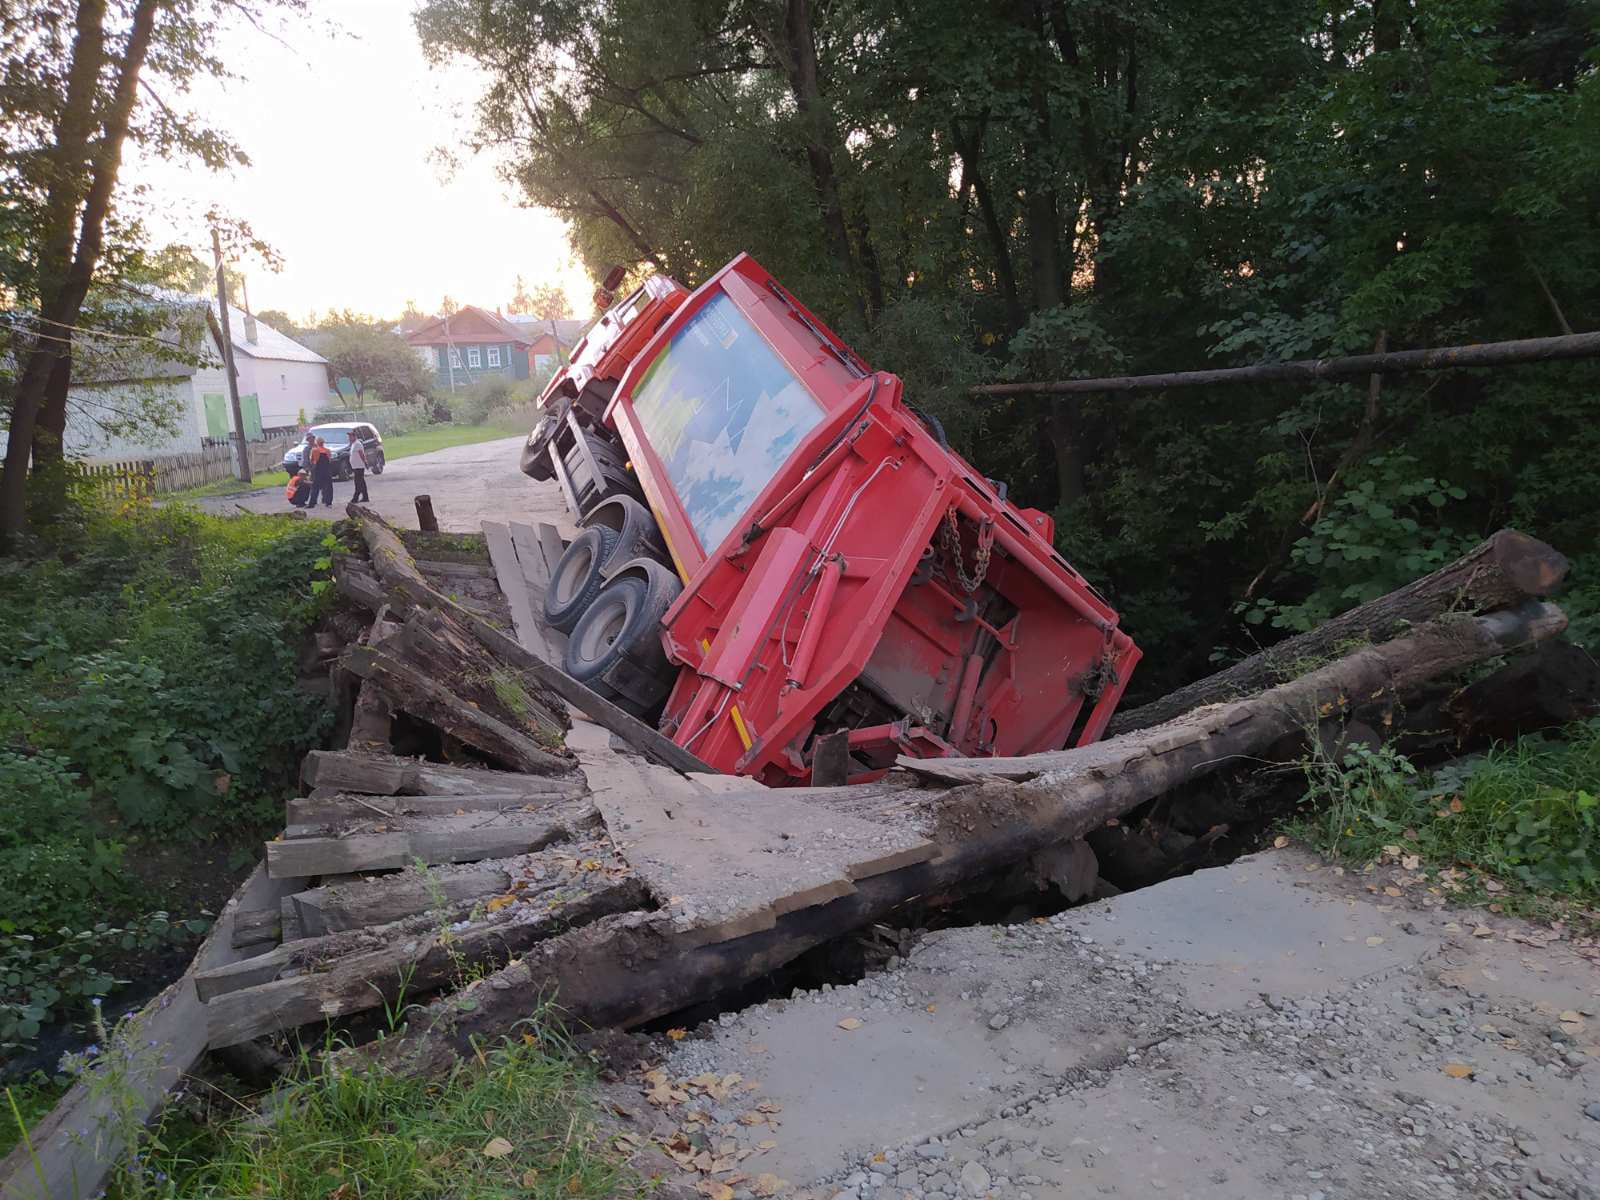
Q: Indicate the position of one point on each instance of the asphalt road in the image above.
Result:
(469, 485)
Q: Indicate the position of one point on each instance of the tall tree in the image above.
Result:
(74, 75)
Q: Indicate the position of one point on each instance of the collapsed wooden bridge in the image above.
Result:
(548, 847)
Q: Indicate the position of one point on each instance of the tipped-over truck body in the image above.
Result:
(779, 556)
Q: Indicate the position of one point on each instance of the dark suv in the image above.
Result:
(337, 436)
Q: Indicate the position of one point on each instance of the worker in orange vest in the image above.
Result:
(298, 493)
(321, 474)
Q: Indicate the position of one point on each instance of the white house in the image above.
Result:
(138, 404)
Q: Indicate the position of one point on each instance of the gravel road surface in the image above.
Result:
(1269, 1029)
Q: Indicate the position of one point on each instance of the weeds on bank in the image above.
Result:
(1521, 822)
(519, 1121)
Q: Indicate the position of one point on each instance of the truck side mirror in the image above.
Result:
(614, 278)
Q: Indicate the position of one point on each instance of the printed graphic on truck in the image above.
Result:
(723, 413)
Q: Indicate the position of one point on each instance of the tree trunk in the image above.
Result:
(63, 196)
(1505, 570)
(799, 49)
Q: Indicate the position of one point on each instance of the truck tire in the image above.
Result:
(536, 450)
(635, 525)
(624, 621)
(577, 580)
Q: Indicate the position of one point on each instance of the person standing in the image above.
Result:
(358, 467)
(321, 474)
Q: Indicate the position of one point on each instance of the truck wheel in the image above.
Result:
(577, 580)
(536, 450)
(623, 621)
(377, 464)
(637, 534)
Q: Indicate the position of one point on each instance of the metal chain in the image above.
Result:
(951, 535)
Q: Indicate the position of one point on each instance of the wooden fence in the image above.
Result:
(145, 477)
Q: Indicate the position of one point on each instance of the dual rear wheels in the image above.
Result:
(613, 620)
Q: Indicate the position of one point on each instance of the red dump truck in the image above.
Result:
(785, 564)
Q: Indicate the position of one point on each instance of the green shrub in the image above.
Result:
(1526, 814)
(150, 669)
(479, 401)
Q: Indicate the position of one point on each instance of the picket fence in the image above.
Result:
(142, 478)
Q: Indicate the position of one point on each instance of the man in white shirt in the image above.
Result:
(358, 467)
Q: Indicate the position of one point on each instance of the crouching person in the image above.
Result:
(298, 493)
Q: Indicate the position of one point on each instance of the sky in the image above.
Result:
(340, 126)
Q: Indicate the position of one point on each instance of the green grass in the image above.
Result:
(517, 1122)
(1521, 823)
(33, 1099)
(400, 445)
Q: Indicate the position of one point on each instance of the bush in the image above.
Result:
(150, 670)
(1525, 814)
(494, 394)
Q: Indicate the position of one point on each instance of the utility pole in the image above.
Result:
(227, 359)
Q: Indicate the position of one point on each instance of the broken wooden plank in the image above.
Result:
(448, 839)
(441, 650)
(551, 543)
(514, 583)
(411, 957)
(531, 885)
(387, 775)
(347, 808)
(257, 926)
(682, 841)
(550, 644)
(413, 692)
(457, 570)
(383, 899)
(408, 588)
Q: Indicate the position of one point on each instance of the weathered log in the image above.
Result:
(255, 927)
(411, 691)
(634, 968)
(426, 521)
(1309, 370)
(347, 808)
(407, 588)
(407, 959)
(387, 898)
(447, 839)
(335, 771)
(357, 584)
(1502, 572)
(388, 554)
(445, 651)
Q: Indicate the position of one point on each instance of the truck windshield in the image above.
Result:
(722, 412)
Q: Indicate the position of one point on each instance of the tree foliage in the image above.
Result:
(371, 355)
(1025, 189)
(79, 81)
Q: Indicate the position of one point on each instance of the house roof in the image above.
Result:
(268, 342)
(466, 327)
(180, 348)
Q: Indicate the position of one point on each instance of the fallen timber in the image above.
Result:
(1500, 572)
(622, 928)
(632, 968)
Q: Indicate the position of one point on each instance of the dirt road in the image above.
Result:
(1271, 1030)
(469, 484)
